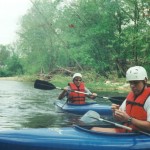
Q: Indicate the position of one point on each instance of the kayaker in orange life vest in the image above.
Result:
(135, 110)
(76, 85)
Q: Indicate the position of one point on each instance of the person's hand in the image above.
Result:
(94, 95)
(65, 89)
(121, 115)
(62, 95)
(114, 107)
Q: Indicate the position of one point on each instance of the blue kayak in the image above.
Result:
(71, 138)
(80, 109)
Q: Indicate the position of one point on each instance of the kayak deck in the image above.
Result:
(61, 106)
(70, 138)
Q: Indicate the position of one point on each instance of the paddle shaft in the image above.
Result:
(85, 93)
(75, 91)
(104, 97)
(113, 123)
(44, 85)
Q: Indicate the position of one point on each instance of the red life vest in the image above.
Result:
(77, 98)
(135, 107)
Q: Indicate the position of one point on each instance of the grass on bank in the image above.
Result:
(92, 81)
(94, 84)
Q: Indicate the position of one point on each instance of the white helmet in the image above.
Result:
(136, 73)
(77, 75)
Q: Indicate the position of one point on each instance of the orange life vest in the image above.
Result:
(135, 107)
(77, 98)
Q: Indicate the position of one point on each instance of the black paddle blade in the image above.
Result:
(43, 85)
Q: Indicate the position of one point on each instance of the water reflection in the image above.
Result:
(22, 106)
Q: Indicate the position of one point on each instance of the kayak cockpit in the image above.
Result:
(87, 129)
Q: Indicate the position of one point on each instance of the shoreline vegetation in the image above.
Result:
(94, 84)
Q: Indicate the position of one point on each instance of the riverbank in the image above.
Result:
(19, 78)
(94, 84)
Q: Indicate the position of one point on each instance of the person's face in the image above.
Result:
(136, 86)
(77, 81)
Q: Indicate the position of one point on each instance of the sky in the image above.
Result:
(10, 14)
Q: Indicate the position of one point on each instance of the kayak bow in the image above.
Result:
(80, 109)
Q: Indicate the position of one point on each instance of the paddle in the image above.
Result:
(92, 116)
(44, 85)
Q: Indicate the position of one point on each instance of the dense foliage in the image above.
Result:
(106, 36)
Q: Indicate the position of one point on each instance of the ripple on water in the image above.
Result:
(22, 106)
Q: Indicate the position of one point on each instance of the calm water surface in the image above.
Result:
(22, 106)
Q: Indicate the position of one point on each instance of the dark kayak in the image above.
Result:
(80, 109)
(71, 138)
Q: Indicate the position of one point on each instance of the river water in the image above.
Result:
(23, 106)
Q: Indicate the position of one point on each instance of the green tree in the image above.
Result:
(107, 36)
(4, 54)
(13, 66)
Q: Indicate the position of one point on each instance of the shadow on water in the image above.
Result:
(22, 106)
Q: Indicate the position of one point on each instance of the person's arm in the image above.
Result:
(63, 93)
(91, 95)
(122, 107)
(124, 117)
(143, 125)
(116, 107)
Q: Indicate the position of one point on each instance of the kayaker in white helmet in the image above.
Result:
(75, 91)
(135, 110)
